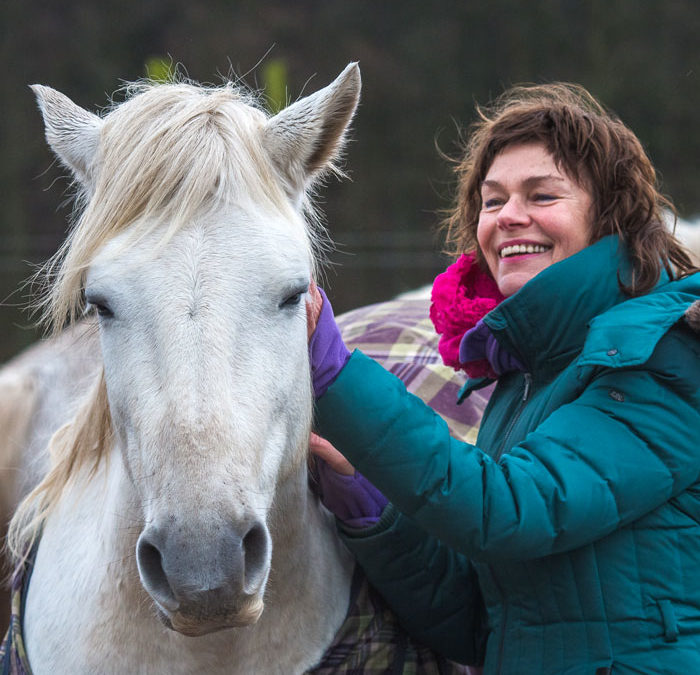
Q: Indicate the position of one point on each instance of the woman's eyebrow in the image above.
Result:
(528, 182)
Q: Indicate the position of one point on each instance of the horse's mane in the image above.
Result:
(170, 152)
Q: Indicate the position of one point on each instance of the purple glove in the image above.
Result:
(327, 351)
(352, 499)
(479, 343)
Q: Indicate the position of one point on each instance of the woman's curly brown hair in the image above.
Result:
(596, 150)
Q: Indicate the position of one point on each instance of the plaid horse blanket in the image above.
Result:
(371, 642)
(13, 656)
(399, 335)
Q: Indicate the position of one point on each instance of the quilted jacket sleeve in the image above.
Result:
(431, 588)
(593, 465)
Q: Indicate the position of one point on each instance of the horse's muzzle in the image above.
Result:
(214, 584)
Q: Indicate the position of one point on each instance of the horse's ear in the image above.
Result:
(308, 135)
(72, 133)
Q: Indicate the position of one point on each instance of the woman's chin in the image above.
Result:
(513, 275)
(511, 283)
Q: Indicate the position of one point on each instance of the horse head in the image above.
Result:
(195, 252)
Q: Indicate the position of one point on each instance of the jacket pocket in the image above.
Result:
(668, 617)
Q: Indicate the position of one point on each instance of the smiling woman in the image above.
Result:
(560, 541)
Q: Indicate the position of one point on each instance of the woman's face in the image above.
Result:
(532, 215)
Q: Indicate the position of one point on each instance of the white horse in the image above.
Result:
(689, 234)
(177, 502)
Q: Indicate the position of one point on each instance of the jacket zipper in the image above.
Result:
(506, 437)
(516, 415)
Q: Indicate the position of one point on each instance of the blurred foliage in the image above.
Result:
(159, 69)
(274, 73)
(424, 65)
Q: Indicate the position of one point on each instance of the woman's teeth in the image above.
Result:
(520, 249)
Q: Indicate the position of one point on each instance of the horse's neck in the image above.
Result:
(86, 570)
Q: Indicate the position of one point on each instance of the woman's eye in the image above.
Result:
(542, 197)
(492, 203)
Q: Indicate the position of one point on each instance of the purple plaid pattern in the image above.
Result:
(399, 335)
(371, 642)
(13, 656)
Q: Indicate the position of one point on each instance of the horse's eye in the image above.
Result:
(292, 300)
(104, 311)
(101, 307)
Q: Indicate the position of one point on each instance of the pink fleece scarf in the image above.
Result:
(461, 296)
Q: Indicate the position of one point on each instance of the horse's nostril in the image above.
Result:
(256, 548)
(150, 564)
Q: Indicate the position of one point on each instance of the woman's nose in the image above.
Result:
(513, 213)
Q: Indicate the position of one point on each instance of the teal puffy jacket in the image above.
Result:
(567, 541)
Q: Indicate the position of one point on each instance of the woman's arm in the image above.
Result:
(592, 466)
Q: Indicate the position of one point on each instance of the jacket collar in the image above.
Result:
(627, 334)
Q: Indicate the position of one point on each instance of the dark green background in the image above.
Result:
(424, 64)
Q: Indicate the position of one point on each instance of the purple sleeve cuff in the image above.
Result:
(327, 351)
(352, 499)
(479, 343)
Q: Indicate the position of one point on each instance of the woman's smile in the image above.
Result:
(518, 249)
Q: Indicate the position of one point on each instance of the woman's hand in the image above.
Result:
(346, 493)
(327, 351)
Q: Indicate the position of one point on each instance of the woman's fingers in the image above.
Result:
(313, 308)
(323, 449)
